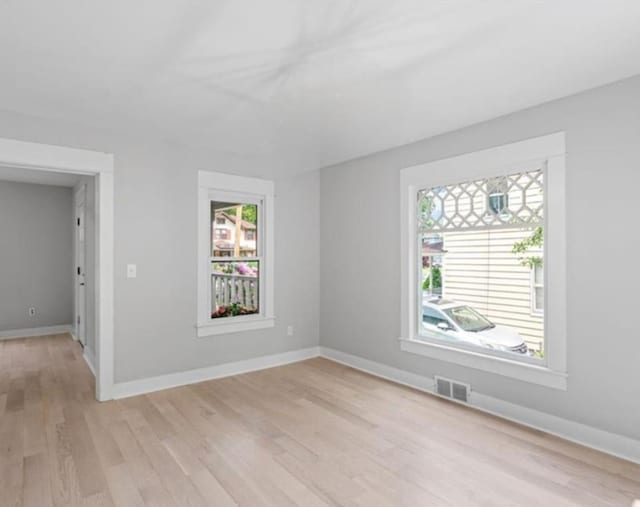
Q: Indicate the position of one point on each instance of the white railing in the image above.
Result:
(228, 289)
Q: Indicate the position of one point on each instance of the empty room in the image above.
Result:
(358, 253)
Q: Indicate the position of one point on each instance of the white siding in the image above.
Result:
(480, 269)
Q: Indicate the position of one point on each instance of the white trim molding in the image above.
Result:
(45, 157)
(90, 359)
(183, 378)
(547, 151)
(526, 372)
(617, 445)
(35, 331)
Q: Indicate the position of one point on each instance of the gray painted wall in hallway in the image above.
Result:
(36, 255)
(360, 257)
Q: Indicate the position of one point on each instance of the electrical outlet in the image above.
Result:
(32, 312)
(289, 330)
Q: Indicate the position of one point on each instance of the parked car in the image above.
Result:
(459, 322)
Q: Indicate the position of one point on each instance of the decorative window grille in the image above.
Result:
(514, 200)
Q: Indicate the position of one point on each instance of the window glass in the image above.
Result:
(468, 319)
(235, 283)
(481, 246)
(432, 316)
(235, 288)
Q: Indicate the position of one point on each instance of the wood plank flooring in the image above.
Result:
(311, 433)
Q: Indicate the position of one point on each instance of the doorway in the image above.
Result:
(29, 157)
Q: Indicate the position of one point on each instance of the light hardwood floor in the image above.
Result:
(311, 433)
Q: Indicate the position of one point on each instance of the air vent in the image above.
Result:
(443, 387)
(459, 392)
(452, 389)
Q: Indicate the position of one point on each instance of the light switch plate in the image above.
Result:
(132, 270)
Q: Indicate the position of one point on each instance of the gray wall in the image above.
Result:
(36, 255)
(360, 269)
(156, 228)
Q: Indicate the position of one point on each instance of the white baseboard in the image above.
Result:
(90, 360)
(610, 443)
(34, 331)
(148, 385)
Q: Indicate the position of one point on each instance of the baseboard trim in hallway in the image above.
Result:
(34, 331)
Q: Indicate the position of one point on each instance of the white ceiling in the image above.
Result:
(39, 177)
(302, 84)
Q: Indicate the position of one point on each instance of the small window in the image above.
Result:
(497, 196)
(537, 289)
(235, 284)
(221, 233)
(235, 291)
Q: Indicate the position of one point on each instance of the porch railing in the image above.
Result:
(234, 288)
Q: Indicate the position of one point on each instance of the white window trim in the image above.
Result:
(501, 160)
(259, 189)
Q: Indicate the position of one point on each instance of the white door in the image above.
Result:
(80, 278)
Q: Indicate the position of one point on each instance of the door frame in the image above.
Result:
(46, 157)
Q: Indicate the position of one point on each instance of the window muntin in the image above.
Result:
(476, 225)
(235, 260)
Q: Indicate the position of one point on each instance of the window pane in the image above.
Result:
(234, 288)
(539, 275)
(478, 243)
(539, 301)
(231, 237)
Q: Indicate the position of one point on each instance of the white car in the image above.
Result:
(459, 322)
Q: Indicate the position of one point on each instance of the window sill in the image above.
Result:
(237, 326)
(531, 373)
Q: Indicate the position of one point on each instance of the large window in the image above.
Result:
(481, 233)
(490, 231)
(235, 290)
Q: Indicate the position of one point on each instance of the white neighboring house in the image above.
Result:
(480, 269)
(478, 265)
(224, 236)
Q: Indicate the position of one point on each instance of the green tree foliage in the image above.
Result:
(425, 207)
(437, 279)
(249, 213)
(522, 248)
